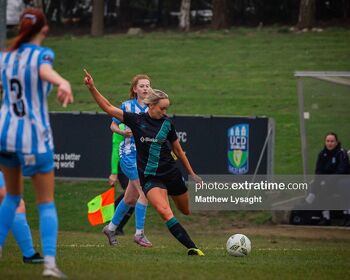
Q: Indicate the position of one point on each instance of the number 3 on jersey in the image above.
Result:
(18, 106)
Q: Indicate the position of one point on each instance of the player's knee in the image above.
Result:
(164, 211)
(143, 200)
(130, 201)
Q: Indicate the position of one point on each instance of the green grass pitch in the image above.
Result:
(239, 72)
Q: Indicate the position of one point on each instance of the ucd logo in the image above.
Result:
(238, 153)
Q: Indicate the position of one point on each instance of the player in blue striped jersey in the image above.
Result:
(134, 196)
(26, 145)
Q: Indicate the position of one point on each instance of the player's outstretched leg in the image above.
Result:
(158, 198)
(182, 236)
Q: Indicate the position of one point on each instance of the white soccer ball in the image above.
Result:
(238, 245)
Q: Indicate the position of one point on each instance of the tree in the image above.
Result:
(3, 5)
(97, 18)
(184, 17)
(307, 11)
(221, 15)
(125, 14)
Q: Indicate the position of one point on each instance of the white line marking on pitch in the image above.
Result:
(81, 245)
(259, 249)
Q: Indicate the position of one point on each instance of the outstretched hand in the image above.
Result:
(196, 178)
(64, 93)
(88, 80)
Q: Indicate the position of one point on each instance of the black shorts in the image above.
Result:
(173, 182)
(123, 180)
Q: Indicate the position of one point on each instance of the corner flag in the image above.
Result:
(101, 208)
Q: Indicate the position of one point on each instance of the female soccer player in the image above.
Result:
(25, 135)
(159, 176)
(134, 196)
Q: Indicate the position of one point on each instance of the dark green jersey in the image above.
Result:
(152, 137)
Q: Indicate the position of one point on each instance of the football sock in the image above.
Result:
(119, 198)
(48, 222)
(22, 234)
(7, 215)
(50, 261)
(119, 214)
(180, 233)
(140, 216)
(126, 218)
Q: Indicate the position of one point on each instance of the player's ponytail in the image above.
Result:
(31, 22)
(154, 95)
(134, 81)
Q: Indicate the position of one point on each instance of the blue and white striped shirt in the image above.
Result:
(128, 145)
(24, 119)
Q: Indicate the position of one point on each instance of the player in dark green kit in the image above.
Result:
(159, 176)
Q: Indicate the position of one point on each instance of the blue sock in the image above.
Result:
(140, 215)
(120, 212)
(7, 215)
(48, 228)
(22, 234)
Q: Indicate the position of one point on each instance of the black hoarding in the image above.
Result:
(214, 145)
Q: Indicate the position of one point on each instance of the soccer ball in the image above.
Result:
(238, 245)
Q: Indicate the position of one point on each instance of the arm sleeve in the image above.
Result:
(46, 56)
(172, 136)
(116, 140)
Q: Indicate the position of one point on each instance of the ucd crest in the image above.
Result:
(238, 144)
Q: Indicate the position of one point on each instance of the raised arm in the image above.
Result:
(103, 102)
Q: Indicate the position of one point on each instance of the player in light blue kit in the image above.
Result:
(134, 196)
(20, 230)
(26, 143)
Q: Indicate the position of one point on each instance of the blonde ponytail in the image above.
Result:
(154, 95)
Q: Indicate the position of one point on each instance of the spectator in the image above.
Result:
(331, 160)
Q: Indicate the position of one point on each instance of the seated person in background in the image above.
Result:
(331, 160)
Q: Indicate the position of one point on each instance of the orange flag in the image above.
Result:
(101, 208)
